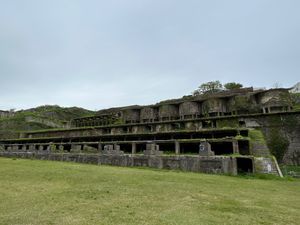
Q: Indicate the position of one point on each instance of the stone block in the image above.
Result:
(205, 149)
(112, 150)
(152, 149)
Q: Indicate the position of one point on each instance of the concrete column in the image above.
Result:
(100, 147)
(61, 148)
(235, 146)
(177, 148)
(133, 148)
(32, 147)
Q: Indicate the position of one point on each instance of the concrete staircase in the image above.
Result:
(260, 150)
(265, 165)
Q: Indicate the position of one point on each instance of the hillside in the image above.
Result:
(42, 117)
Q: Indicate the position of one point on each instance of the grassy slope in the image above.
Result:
(54, 113)
(43, 192)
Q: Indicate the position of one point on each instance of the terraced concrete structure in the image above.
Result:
(223, 132)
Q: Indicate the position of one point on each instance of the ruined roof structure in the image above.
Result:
(226, 132)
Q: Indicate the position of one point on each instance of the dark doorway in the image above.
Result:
(167, 148)
(244, 165)
(207, 124)
(140, 148)
(242, 123)
(189, 148)
(222, 148)
(67, 148)
(127, 148)
(244, 147)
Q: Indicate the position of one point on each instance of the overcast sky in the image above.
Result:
(98, 54)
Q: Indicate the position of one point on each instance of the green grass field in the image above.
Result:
(43, 192)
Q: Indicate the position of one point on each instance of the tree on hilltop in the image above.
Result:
(232, 85)
(209, 87)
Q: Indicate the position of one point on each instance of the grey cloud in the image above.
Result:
(98, 54)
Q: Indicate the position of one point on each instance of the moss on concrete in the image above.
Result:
(277, 143)
(256, 135)
(228, 123)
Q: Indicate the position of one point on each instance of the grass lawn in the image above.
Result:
(43, 192)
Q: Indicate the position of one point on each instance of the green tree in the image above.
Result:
(209, 87)
(232, 85)
(278, 144)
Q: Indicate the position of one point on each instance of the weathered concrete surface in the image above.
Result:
(218, 165)
(168, 112)
(149, 114)
(214, 105)
(189, 109)
(215, 165)
(265, 165)
(288, 126)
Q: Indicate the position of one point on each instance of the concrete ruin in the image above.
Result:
(216, 133)
(5, 114)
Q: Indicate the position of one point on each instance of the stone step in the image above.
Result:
(266, 165)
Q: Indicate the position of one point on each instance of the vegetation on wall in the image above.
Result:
(295, 100)
(216, 86)
(232, 86)
(242, 104)
(228, 123)
(208, 88)
(257, 136)
(277, 143)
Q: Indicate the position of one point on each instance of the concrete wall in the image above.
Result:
(242, 104)
(216, 165)
(274, 98)
(149, 114)
(189, 108)
(214, 105)
(168, 112)
(131, 115)
(288, 126)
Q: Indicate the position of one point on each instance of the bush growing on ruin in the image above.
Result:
(216, 86)
(278, 144)
(209, 87)
(232, 85)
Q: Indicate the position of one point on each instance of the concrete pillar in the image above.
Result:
(100, 147)
(205, 149)
(61, 148)
(52, 148)
(235, 146)
(76, 148)
(133, 148)
(177, 148)
(32, 147)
